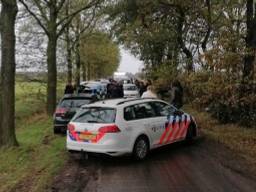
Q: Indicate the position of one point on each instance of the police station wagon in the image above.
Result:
(128, 126)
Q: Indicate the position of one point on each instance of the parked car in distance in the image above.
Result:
(128, 126)
(93, 88)
(67, 108)
(130, 90)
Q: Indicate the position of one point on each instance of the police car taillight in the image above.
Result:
(109, 129)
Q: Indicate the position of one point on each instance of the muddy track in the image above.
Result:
(179, 168)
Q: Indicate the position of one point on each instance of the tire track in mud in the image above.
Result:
(75, 175)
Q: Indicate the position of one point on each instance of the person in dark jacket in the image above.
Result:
(120, 90)
(142, 88)
(69, 89)
(176, 94)
(110, 88)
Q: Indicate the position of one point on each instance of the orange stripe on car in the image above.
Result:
(174, 130)
(179, 129)
(186, 124)
(169, 127)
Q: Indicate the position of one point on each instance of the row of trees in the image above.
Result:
(60, 23)
(99, 56)
(208, 44)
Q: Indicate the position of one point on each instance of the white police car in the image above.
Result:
(120, 126)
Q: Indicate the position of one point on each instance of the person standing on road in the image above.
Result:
(110, 88)
(142, 88)
(69, 89)
(120, 90)
(149, 93)
(114, 90)
(176, 94)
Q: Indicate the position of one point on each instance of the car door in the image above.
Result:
(140, 118)
(176, 125)
(163, 112)
(151, 121)
(134, 123)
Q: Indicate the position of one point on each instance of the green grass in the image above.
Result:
(31, 166)
(39, 156)
(29, 99)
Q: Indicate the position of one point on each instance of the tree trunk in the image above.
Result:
(209, 26)
(69, 59)
(69, 55)
(78, 65)
(89, 71)
(84, 71)
(249, 60)
(180, 40)
(189, 59)
(51, 60)
(52, 74)
(7, 110)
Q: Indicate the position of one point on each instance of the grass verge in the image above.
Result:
(32, 165)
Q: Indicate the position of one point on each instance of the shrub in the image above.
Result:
(226, 99)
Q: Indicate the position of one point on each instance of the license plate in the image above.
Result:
(87, 137)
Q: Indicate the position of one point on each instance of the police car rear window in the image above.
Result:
(96, 115)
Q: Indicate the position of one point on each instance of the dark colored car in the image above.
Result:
(66, 109)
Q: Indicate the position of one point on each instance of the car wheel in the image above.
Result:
(141, 148)
(190, 134)
(56, 130)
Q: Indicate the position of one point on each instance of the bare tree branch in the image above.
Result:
(63, 27)
(91, 23)
(35, 17)
(209, 26)
(60, 5)
(41, 9)
(72, 15)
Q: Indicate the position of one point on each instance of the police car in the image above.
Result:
(128, 126)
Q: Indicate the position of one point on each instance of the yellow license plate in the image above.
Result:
(87, 137)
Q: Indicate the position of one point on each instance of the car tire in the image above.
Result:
(190, 135)
(141, 148)
(56, 130)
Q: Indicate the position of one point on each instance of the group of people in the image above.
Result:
(115, 89)
(175, 91)
(146, 90)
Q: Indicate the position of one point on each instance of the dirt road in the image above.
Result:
(177, 168)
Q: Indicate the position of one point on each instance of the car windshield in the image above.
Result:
(130, 88)
(74, 103)
(96, 115)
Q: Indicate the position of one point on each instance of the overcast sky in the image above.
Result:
(129, 63)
